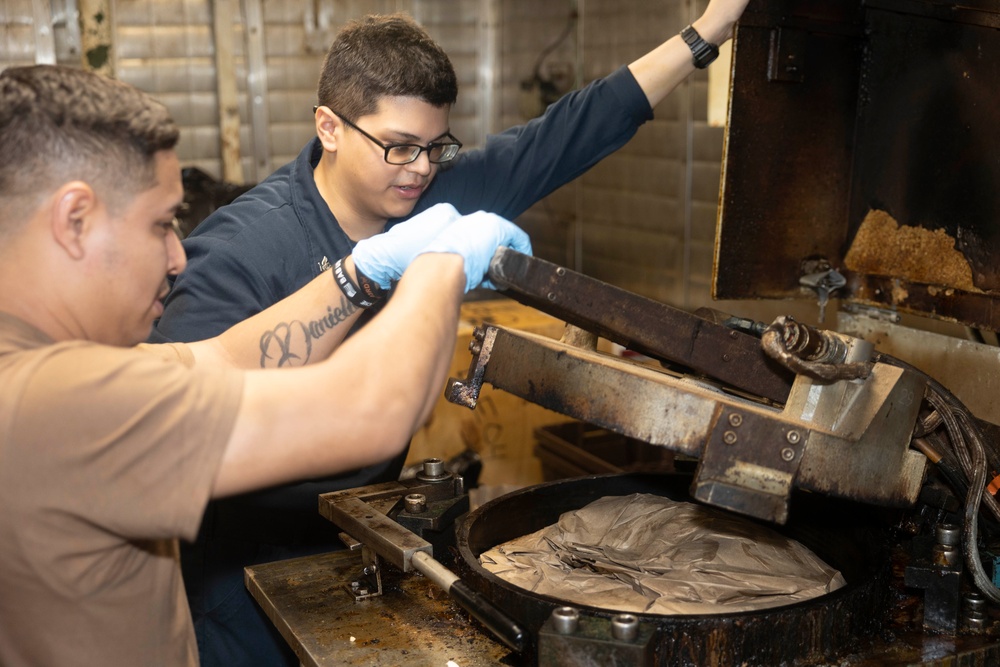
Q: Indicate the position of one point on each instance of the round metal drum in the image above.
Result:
(814, 631)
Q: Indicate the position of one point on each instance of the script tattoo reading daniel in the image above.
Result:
(290, 343)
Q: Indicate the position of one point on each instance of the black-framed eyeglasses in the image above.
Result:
(437, 151)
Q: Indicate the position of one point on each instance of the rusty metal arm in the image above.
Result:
(847, 439)
(642, 324)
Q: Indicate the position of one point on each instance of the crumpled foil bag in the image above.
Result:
(643, 553)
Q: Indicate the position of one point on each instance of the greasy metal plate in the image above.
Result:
(414, 623)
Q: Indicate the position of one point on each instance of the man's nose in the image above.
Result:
(176, 257)
(422, 165)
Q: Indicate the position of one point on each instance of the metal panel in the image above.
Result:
(17, 33)
(253, 20)
(881, 115)
(786, 178)
(168, 50)
(45, 46)
(458, 28)
(967, 368)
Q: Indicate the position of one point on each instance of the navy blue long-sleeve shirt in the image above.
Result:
(274, 239)
(281, 234)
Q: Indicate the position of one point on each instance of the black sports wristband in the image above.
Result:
(369, 287)
(350, 290)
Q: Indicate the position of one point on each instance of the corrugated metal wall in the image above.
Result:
(644, 219)
(17, 33)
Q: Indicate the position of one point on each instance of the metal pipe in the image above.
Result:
(496, 621)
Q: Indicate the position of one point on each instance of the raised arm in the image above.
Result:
(310, 324)
(665, 67)
(362, 404)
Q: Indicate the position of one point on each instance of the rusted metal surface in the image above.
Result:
(974, 310)
(967, 368)
(889, 108)
(642, 324)
(851, 438)
(383, 535)
(626, 398)
(786, 171)
(412, 623)
(590, 642)
(927, 146)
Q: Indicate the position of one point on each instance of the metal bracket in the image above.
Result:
(467, 392)
(380, 520)
(571, 638)
(369, 585)
(749, 464)
(824, 283)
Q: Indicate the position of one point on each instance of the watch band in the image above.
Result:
(703, 52)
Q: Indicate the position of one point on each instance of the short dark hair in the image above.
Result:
(61, 123)
(383, 55)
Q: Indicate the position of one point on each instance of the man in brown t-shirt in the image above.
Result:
(110, 449)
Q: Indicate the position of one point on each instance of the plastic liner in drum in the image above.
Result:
(824, 628)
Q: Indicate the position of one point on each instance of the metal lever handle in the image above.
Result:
(505, 628)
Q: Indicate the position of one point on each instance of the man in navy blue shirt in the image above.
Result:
(383, 152)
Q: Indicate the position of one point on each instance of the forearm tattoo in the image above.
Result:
(291, 343)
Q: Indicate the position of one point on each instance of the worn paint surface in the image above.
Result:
(96, 36)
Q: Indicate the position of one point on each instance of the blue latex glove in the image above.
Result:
(384, 257)
(476, 238)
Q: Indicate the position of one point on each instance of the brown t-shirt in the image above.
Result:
(107, 456)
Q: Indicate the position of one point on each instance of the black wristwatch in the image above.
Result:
(703, 52)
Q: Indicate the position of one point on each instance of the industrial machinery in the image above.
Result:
(885, 198)
(768, 412)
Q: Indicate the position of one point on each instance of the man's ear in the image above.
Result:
(73, 208)
(326, 126)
